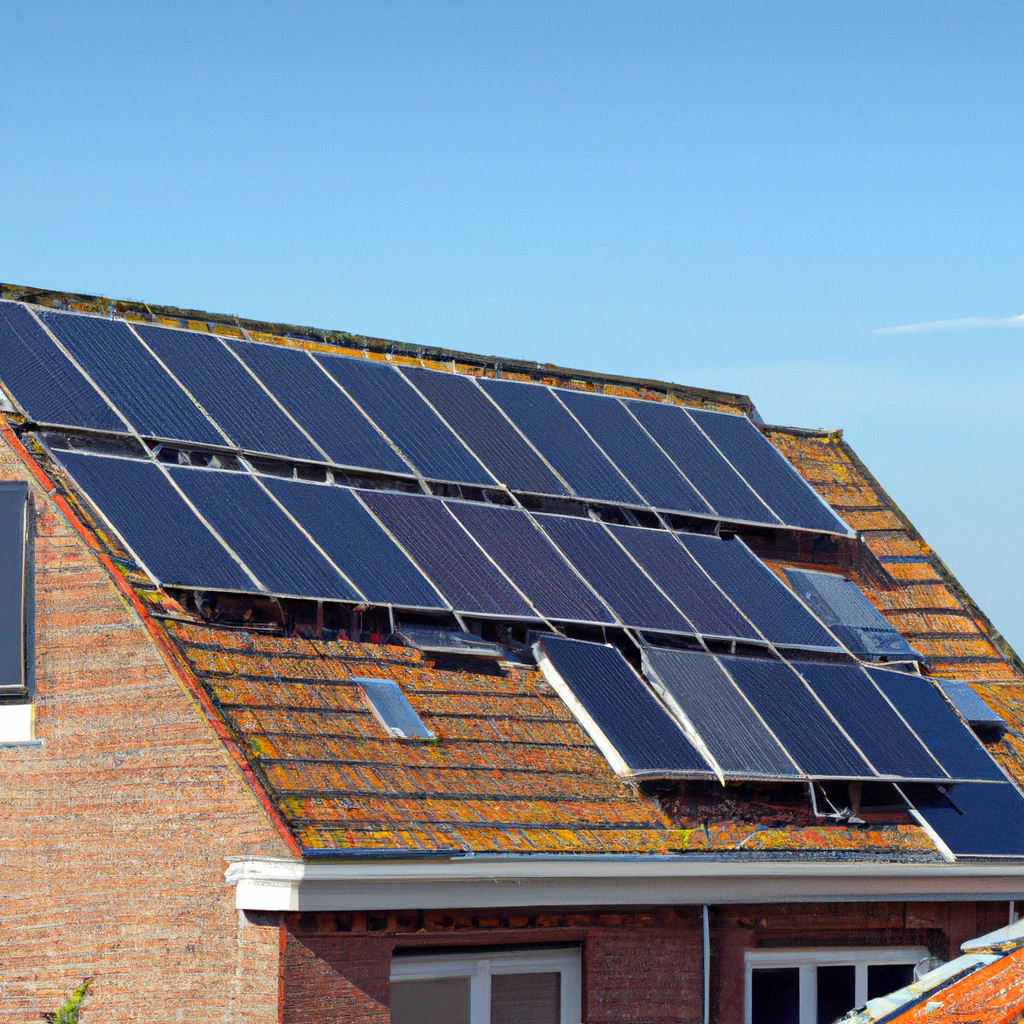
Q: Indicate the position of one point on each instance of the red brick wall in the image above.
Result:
(114, 833)
(639, 966)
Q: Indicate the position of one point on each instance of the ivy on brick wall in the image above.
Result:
(68, 1013)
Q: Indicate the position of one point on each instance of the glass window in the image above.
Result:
(506, 987)
(817, 986)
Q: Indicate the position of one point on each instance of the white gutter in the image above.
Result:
(276, 884)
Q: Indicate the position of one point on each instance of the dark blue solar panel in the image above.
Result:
(939, 728)
(155, 523)
(389, 400)
(354, 541)
(227, 391)
(560, 439)
(612, 573)
(476, 419)
(684, 581)
(512, 539)
(43, 381)
(730, 728)
(975, 819)
(868, 718)
(322, 408)
(615, 697)
(133, 380)
(266, 540)
(705, 468)
(802, 726)
(766, 470)
(630, 447)
(447, 554)
(758, 592)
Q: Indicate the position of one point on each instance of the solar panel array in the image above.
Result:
(216, 529)
(760, 718)
(74, 370)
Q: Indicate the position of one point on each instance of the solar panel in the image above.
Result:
(512, 539)
(630, 447)
(43, 381)
(703, 465)
(802, 726)
(766, 470)
(868, 718)
(758, 592)
(952, 742)
(155, 523)
(323, 409)
(975, 819)
(844, 608)
(686, 584)
(561, 440)
(611, 572)
(227, 391)
(447, 554)
(354, 541)
(633, 730)
(476, 419)
(265, 539)
(131, 378)
(388, 399)
(727, 725)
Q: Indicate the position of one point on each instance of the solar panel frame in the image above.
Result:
(354, 540)
(400, 412)
(710, 474)
(767, 471)
(486, 430)
(325, 411)
(447, 555)
(944, 733)
(43, 381)
(611, 572)
(254, 526)
(631, 449)
(886, 740)
(801, 724)
(758, 592)
(233, 398)
(556, 434)
(727, 725)
(135, 383)
(676, 572)
(162, 532)
(633, 730)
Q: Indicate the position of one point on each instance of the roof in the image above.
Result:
(512, 770)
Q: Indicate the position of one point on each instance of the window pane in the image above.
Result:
(837, 992)
(526, 998)
(886, 978)
(775, 996)
(439, 1001)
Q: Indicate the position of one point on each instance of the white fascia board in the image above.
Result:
(291, 885)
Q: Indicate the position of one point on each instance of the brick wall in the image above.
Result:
(639, 966)
(114, 832)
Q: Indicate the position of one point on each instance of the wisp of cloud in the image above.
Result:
(962, 324)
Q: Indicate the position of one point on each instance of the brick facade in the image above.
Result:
(113, 831)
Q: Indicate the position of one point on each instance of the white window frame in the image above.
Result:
(859, 957)
(479, 967)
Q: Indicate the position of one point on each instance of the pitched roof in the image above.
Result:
(512, 770)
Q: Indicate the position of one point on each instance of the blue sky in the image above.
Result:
(728, 195)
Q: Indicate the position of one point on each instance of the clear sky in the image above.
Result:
(728, 195)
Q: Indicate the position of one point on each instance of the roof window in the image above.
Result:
(975, 712)
(393, 709)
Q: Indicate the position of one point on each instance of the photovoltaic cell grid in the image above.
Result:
(616, 699)
(975, 819)
(629, 452)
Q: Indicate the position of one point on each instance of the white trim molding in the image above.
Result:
(271, 884)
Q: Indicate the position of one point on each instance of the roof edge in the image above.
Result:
(102, 304)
